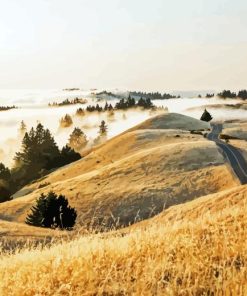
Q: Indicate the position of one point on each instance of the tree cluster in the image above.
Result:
(52, 211)
(208, 96)
(68, 102)
(92, 108)
(131, 102)
(227, 94)
(242, 94)
(125, 103)
(5, 108)
(39, 154)
(122, 104)
(153, 95)
(145, 103)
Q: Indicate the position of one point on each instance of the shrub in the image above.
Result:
(52, 211)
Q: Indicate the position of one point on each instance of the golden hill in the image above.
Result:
(198, 248)
(173, 121)
(134, 176)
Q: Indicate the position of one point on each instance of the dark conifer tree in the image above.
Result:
(206, 116)
(5, 173)
(67, 156)
(52, 211)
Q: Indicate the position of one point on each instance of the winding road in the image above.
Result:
(233, 155)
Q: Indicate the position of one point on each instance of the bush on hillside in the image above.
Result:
(52, 211)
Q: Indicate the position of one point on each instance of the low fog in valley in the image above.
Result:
(32, 108)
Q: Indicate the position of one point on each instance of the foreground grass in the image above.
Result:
(173, 254)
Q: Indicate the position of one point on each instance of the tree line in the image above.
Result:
(68, 102)
(5, 108)
(123, 104)
(242, 94)
(153, 95)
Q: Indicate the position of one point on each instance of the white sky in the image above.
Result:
(132, 44)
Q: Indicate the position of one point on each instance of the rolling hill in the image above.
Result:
(134, 175)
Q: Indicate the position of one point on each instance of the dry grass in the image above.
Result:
(146, 180)
(173, 121)
(194, 249)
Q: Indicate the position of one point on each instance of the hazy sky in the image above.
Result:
(131, 44)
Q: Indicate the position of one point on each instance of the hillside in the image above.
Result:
(198, 248)
(173, 121)
(151, 168)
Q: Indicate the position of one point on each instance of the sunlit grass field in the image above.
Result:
(198, 248)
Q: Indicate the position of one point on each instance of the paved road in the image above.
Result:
(233, 155)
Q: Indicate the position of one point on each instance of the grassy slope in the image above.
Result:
(138, 184)
(198, 248)
(135, 175)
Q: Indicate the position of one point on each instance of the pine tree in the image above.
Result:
(5, 173)
(38, 152)
(206, 116)
(77, 139)
(68, 155)
(103, 128)
(23, 128)
(52, 211)
(38, 211)
(106, 106)
(80, 112)
(66, 121)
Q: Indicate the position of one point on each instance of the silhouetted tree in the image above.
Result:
(206, 116)
(5, 192)
(67, 156)
(242, 94)
(38, 152)
(145, 103)
(227, 94)
(52, 211)
(5, 173)
(106, 106)
(208, 96)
